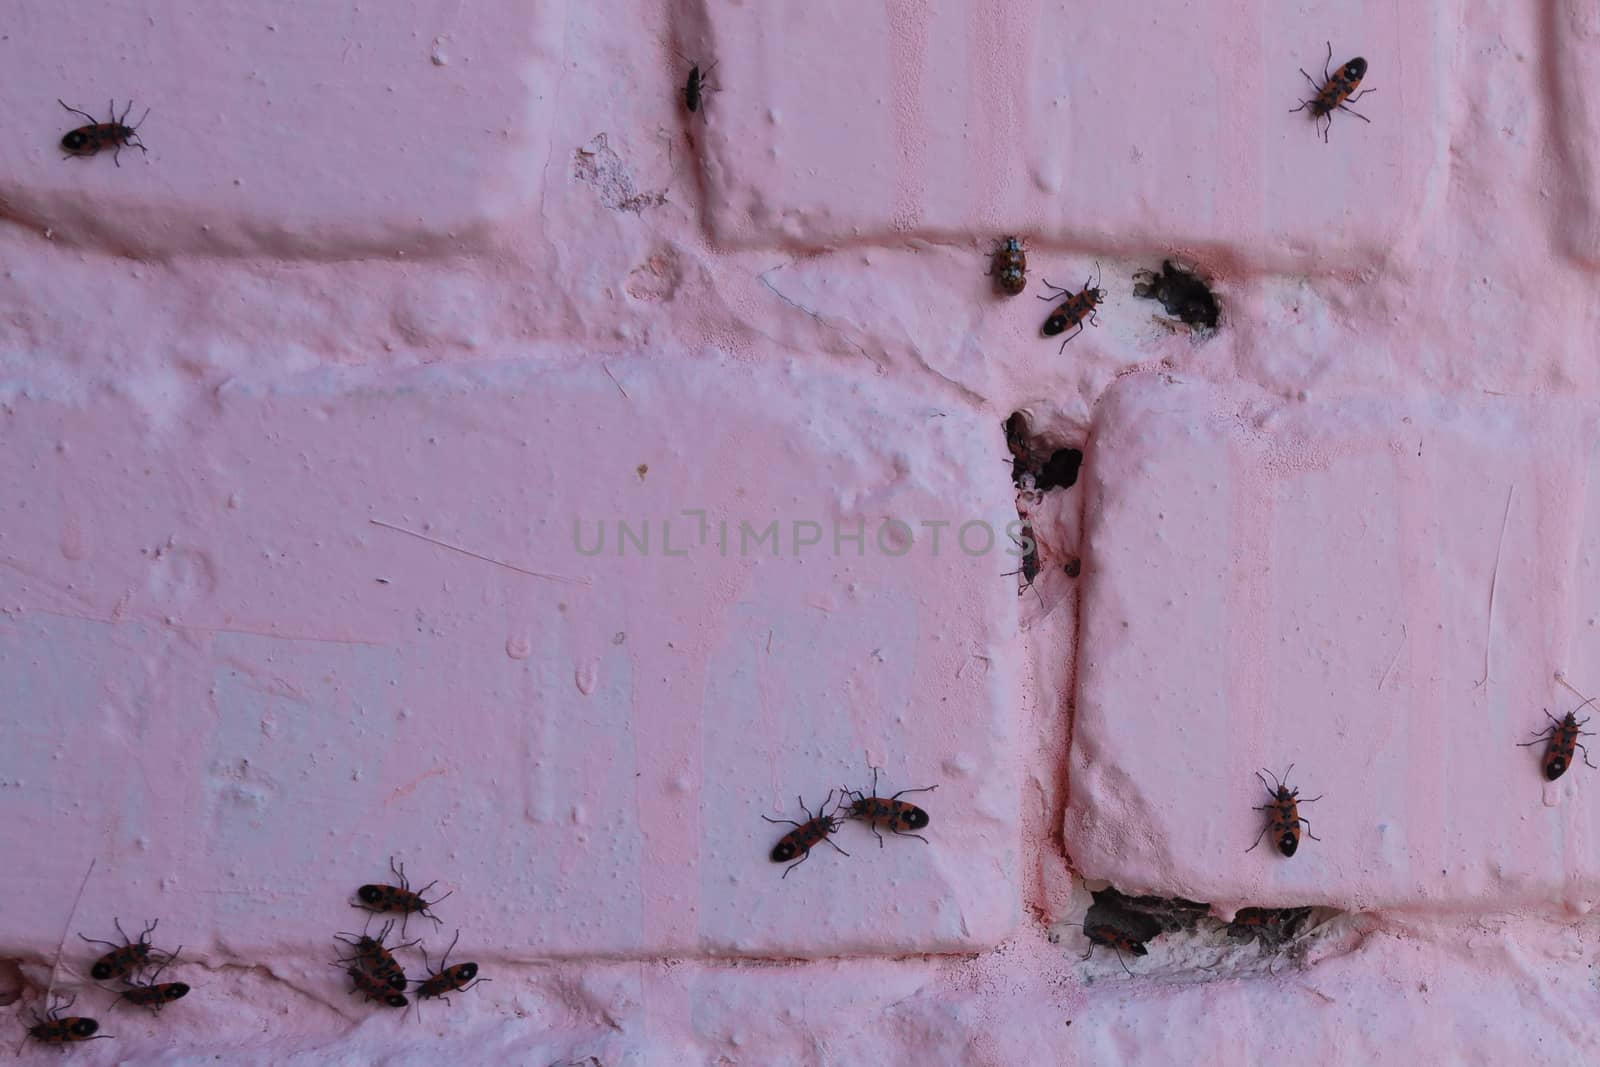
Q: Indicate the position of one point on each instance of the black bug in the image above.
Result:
(1283, 817)
(891, 812)
(373, 988)
(53, 1029)
(401, 898)
(373, 957)
(1109, 936)
(1075, 309)
(698, 85)
(127, 958)
(1335, 92)
(1029, 546)
(1563, 741)
(154, 994)
(456, 979)
(806, 835)
(90, 139)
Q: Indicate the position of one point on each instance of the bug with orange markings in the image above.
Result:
(1335, 92)
(154, 994)
(1008, 265)
(375, 959)
(457, 978)
(54, 1029)
(1283, 815)
(1109, 936)
(378, 898)
(897, 816)
(116, 133)
(1077, 309)
(807, 835)
(372, 987)
(1563, 737)
(127, 958)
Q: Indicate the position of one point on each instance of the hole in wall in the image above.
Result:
(1201, 946)
(1049, 464)
(11, 981)
(1182, 293)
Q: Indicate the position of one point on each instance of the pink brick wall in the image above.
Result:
(313, 415)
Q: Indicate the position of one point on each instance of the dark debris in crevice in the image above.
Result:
(1183, 293)
(1050, 466)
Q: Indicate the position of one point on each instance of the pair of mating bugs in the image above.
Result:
(126, 962)
(899, 817)
(372, 968)
(378, 976)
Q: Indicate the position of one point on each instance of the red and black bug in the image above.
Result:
(1283, 817)
(374, 988)
(1009, 266)
(1075, 310)
(87, 140)
(154, 994)
(698, 85)
(1335, 91)
(372, 957)
(401, 898)
(454, 979)
(1111, 937)
(128, 958)
(898, 816)
(1563, 734)
(53, 1029)
(807, 835)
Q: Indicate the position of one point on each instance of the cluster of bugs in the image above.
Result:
(371, 965)
(900, 817)
(137, 964)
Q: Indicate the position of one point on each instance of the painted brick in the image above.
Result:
(844, 122)
(1574, 62)
(259, 657)
(1324, 584)
(295, 132)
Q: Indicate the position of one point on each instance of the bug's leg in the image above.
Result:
(1303, 105)
(1059, 292)
(1327, 76)
(1313, 800)
(1070, 336)
(1520, 744)
(1259, 836)
(1120, 960)
(924, 789)
(120, 931)
(1586, 756)
(1309, 834)
(873, 826)
(75, 111)
(803, 857)
(836, 848)
(1089, 953)
(97, 941)
(1359, 95)
(787, 822)
(1357, 114)
(907, 833)
(1312, 80)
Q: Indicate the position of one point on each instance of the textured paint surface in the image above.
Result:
(302, 409)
